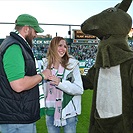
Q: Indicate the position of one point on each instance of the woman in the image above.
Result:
(63, 89)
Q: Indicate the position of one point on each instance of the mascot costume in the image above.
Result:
(111, 77)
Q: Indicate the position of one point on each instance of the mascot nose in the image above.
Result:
(82, 25)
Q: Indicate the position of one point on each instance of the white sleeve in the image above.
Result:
(75, 88)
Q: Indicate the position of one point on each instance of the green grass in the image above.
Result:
(83, 119)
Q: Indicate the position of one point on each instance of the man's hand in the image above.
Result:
(46, 73)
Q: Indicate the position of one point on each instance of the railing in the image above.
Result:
(66, 25)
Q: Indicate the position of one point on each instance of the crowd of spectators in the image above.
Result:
(81, 52)
(40, 51)
(85, 53)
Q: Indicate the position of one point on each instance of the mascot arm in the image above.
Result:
(88, 79)
(131, 72)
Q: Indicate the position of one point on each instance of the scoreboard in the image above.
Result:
(80, 37)
(78, 34)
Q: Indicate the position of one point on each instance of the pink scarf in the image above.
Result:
(54, 98)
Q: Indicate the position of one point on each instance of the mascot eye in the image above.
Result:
(111, 10)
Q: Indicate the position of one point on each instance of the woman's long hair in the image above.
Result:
(52, 54)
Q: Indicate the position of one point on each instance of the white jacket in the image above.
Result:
(73, 87)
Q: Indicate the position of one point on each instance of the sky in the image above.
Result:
(68, 12)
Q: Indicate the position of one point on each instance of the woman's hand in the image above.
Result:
(54, 80)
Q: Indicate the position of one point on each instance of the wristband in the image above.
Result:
(42, 75)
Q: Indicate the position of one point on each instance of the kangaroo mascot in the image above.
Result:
(111, 77)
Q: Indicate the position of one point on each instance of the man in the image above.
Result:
(19, 91)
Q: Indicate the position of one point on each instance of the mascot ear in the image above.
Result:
(124, 5)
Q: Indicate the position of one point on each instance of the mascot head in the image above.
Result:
(109, 22)
(111, 26)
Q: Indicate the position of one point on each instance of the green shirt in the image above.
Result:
(14, 64)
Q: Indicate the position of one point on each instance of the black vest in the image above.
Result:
(23, 107)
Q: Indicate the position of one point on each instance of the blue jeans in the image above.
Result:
(70, 127)
(18, 128)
